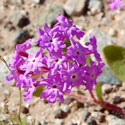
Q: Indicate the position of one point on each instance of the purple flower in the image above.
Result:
(51, 95)
(21, 49)
(16, 71)
(67, 27)
(92, 48)
(73, 75)
(29, 83)
(55, 61)
(54, 88)
(25, 81)
(18, 60)
(50, 38)
(28, 94)
(91, 75)
(116, 4)
(33, 63)
(62, 68)
(77, 52)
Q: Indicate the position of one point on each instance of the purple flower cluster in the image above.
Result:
(116, 4)
(63, 68)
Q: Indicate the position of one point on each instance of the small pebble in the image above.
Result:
(2, 105)
(98, 108)
(67, 101)
(24, 110)
(113, 120)
(73, 106)
(91, 121)
(74, 7)
(65, 108)
(77, 123)
(95, 6)
(71, 123)
(112, 32)
(39, 1)
(117, 114)
(24, 13)
(85, 115)
(99, 116)
(80, 105)
(20, 20)
(59, 121)
(29, 119)
(122, 32)
(33, 5)
(20, 36)
(19, 2)
(117, 100)
(6, 92)
(59, 114)
(106, 88)
(27, 105)
(43, 122)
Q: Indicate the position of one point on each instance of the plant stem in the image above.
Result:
(93, 97)
(4, 61)
(102, 103)
(80, 98)
(112, 107)
(107, 105)
(20, 104)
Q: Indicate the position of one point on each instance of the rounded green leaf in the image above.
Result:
(115, 57)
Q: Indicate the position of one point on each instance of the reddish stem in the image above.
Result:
(81, 98)
(113, 107)
(92, 95)
(107, 105)
(102, 103)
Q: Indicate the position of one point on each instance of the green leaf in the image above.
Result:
(38, 91)
(64, 50)
(88, 59)
(98, 90)
(115, 57)
(67, 42)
